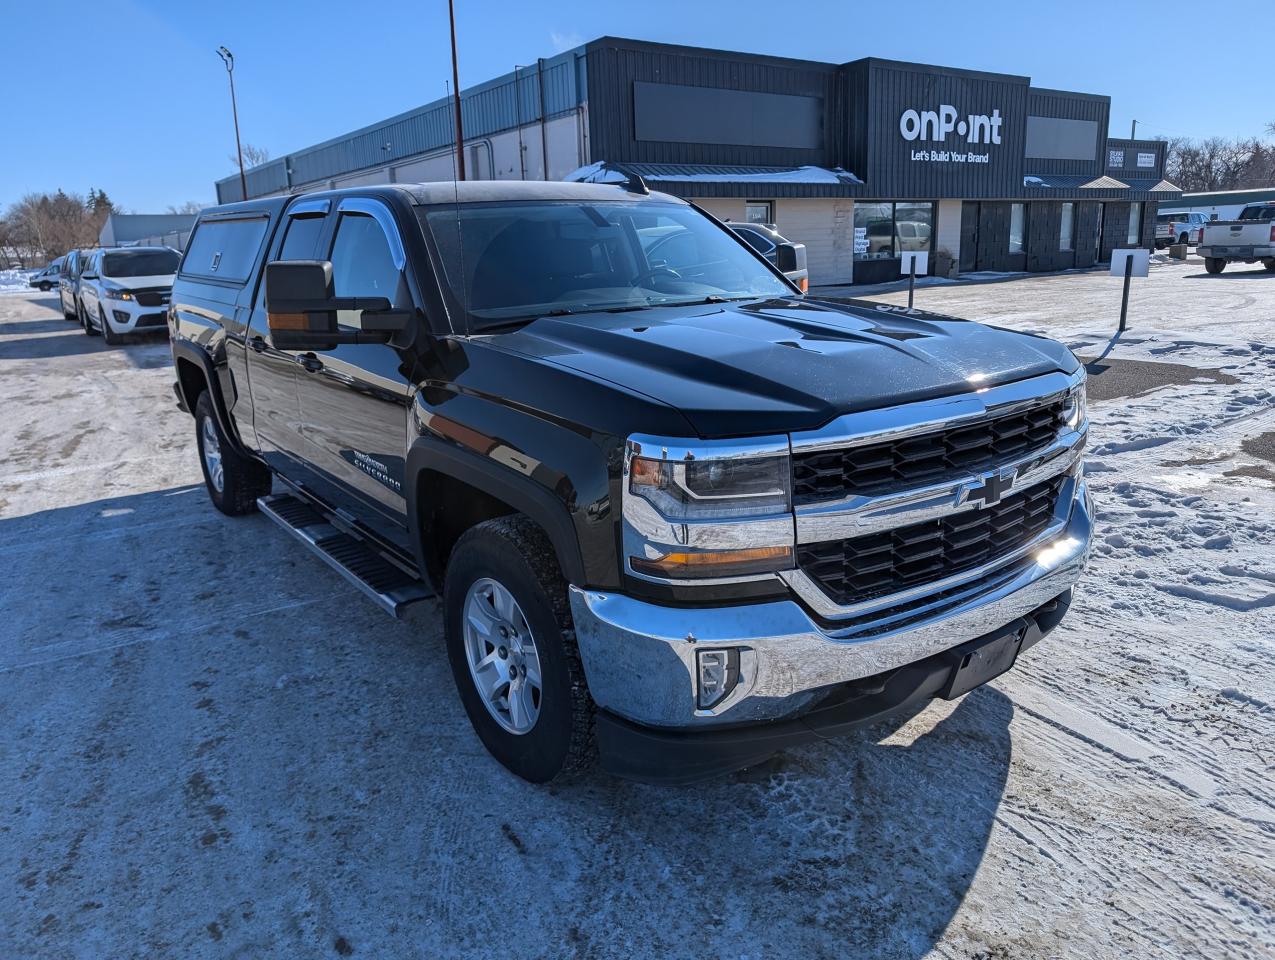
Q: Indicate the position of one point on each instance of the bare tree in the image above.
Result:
(190, 206)
(44, 226)
(253, 156)
(1218, 163)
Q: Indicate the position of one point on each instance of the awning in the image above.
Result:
(1056, 182)
(727, 180)
(1154, 186)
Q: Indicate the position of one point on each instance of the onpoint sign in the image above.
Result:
(935, 125)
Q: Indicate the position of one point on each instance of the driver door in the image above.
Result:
(355, 398)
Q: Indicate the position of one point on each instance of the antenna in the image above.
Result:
(460, 236)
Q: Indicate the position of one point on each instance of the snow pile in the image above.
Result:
(14, 281)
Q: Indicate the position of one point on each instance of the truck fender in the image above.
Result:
(523, 494)
(185, 350)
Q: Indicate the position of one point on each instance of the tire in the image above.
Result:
(1214, 265)
(109, 336)
(514, 554)
(234, 481)
(1183, 239)
(1269, 264)
(84, 321)
(44, 288)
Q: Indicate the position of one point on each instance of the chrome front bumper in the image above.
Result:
(640, 658)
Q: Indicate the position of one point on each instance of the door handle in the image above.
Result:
(311, 363)
(257, 344)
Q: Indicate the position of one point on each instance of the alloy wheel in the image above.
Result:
(502, 656)
(212, 454)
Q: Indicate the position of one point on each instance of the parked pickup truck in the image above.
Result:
(1249, 239)
(678, 515)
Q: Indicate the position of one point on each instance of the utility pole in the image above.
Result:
(460, 136)
(228, 59)
(1133, 134)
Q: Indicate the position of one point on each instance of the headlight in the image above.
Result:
(712, 488)
(697, 510)
(117, 293)
(1076, 410)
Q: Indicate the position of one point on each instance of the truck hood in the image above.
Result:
(781, 365)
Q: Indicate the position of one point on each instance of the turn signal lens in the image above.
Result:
(715, 563)
(804, 284)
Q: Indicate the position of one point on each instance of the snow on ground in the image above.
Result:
(216, 749)
(14, 281)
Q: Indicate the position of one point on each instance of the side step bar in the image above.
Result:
(391, 588)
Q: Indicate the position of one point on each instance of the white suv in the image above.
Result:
(126, 290)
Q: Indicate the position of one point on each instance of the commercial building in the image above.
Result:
(1221, 204)
(859, 161)
(146, 229)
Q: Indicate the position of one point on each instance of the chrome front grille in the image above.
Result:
(870, 469)
(862, 568)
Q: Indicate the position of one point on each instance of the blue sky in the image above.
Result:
(128, 95)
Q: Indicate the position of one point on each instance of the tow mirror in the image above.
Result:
(790, 257)
(302, 312)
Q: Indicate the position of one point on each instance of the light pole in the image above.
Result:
(228, 59)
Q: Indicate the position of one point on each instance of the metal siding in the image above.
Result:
(1131, 150)
(613, 66)
(1063, 105)
(485, 109)
(892, 174)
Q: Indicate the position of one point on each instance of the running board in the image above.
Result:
(392, 588)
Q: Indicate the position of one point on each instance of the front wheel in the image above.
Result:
(1214, 264)
(109, 336)
(1183, 238)
(45, 288)
(234, 481)
(512, 649)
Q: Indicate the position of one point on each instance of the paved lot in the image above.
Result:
(209, 746)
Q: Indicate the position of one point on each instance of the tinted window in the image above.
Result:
(140, 263)
(362, 265)
(224, 249)
(519, 261)
(302, 238)
(1258, 213)
(755, 240)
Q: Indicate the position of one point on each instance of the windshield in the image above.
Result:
(522, 260)
(140, 263)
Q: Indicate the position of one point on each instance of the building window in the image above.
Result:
(1067, 226)
(1017, 225)
(1135, 223)
(885, 230)
(759, 211)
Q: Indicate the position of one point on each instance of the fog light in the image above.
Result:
(718, 675)
(121, 316)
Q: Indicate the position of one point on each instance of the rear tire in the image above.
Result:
(513, 555)
(1214, 265)
(234, 481)
(1183, 238)
(109, 336)
(1269, 264)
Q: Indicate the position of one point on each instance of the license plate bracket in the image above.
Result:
(974, 663)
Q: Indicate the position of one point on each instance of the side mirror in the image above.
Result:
(302, 312)
(790, 257)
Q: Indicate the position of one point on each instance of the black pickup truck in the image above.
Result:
(679, 516)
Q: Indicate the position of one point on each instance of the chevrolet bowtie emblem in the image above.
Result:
(990, 488)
